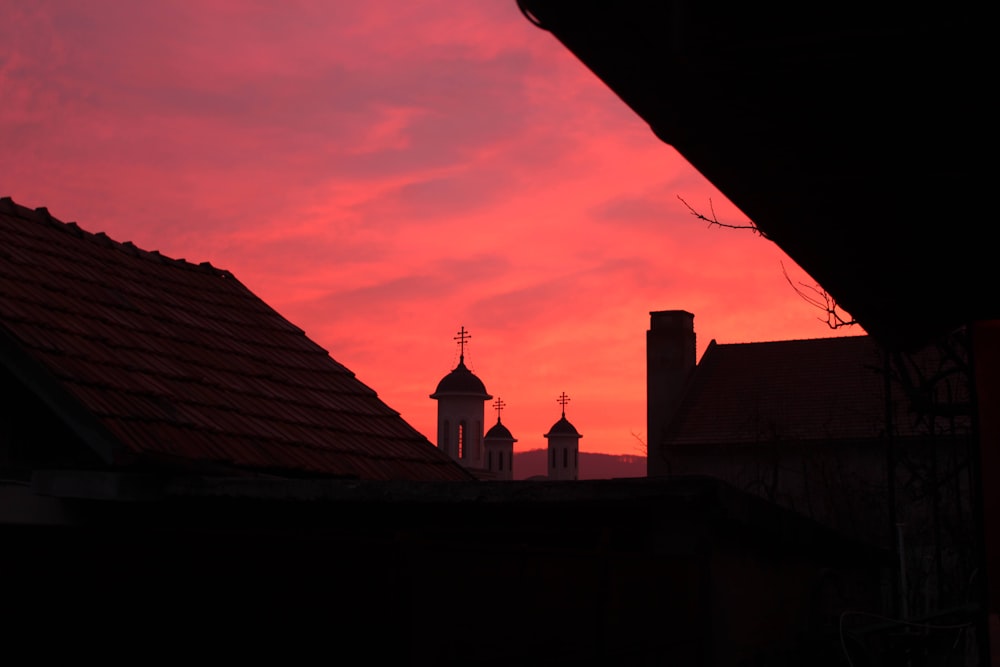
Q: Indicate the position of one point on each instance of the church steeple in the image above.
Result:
(460, 396)
(564, 446)
(500, 447)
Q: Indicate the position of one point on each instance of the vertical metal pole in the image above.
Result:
(984, 369)
(890, 456)
(904, 605)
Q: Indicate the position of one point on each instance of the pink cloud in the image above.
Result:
(383, 174)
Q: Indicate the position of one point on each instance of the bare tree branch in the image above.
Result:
(814, 295)
(820, 298)
(644, 448)
(713, 221)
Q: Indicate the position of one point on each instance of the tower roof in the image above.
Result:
(563, 428)
(499, 432)
(461, 382)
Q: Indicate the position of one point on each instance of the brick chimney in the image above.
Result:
(670, 358)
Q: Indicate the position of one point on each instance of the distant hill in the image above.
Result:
(592, 466)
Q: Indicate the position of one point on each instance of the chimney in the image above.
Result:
(670, 358)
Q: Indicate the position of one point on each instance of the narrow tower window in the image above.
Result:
(461, 439)
(565, 458)
(500, 456)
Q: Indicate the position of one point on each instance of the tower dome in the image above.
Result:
(461, 382)
(563, 428)
(499, 432)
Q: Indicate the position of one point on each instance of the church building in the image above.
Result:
(461, 396)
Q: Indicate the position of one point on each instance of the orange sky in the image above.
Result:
(382, 174)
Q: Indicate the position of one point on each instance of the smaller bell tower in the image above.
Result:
(564, 446)
(500, 447)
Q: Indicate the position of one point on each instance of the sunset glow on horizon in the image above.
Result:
(383, 174)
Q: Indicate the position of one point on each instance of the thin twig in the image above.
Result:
(713, 221)
(645, 447)
(821, 299)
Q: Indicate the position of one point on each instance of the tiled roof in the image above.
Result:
(181, 362)
(795, 390)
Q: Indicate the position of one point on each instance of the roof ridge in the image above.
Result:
(42, 215)
(791, 340)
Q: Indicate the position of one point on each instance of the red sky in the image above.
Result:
(382, 174)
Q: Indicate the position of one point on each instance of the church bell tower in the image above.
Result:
(500, 447)
(461, 397)
(564, 446)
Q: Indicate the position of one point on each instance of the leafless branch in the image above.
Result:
(818, 297)
(814, 295)
(645, 448)
(713, 220)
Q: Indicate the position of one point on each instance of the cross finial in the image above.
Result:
(462, 336)
(563, 400)
(498, 405)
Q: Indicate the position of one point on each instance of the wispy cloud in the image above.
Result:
(381, 174)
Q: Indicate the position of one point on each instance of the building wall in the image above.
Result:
(566, 581)
(845, 485)
(454, 411)
(564, 458)
(500, 458)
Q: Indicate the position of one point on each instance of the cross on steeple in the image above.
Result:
(462, 336)
(498, 405)
(563, 400)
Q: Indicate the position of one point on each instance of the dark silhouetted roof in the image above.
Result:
(156, 360)
(795, 390)
(562, 428)
(499, 432)
(804, 116)
(461, 382)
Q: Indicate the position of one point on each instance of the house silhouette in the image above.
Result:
(877, 445)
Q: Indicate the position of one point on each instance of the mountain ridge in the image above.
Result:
(592, 465)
